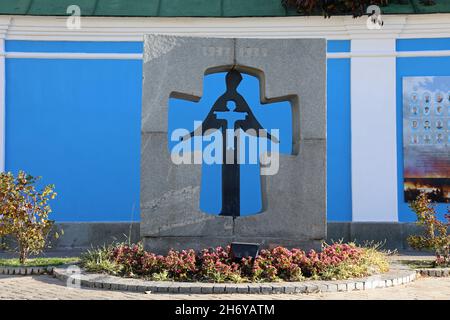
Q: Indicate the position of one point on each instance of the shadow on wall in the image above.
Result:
(82, 235)
(392, 234)
(79, 235)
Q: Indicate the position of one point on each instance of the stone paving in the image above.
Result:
(396, 276)
(47, 287)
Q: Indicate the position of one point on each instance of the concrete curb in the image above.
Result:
(434, 272)
(24, 271)
(396, 276)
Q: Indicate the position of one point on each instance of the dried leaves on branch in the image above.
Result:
(357, 8)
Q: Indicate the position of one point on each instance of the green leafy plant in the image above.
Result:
(99, 260)
(24, 212)
(435, 235)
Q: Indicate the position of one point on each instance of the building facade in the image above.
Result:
(70, 107)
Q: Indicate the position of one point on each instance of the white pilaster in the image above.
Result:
(373, 131)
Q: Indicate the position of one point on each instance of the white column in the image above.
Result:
(2, 104)
(373, 130)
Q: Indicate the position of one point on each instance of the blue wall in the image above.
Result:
(423, 44)
(338, 46)
(73, 46)
(339, 189)
(77, 124)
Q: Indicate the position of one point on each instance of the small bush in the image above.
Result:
(181, 265)
(277, 264)
(435, 236)
(335, 261)
(24, 212)
(100, 260)
(135, 261)
(344, 261)
(216, 265)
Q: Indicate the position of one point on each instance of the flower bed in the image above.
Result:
(335, 262)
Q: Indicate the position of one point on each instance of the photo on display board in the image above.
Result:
(414, 110)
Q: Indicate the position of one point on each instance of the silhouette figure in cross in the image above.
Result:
(231, 117)
(229, 114)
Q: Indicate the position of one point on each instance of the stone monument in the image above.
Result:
(180, 207)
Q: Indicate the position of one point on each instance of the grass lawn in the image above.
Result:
(419, 264)
(38, 262)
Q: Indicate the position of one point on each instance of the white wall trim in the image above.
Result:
(139, 56)
(398, 54)
(133, 28)
(373, 131)
(73, 55)
(430, 53)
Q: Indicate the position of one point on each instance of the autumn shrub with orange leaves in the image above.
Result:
(435, 236)
(24, 212)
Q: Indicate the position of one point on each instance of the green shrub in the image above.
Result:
(99, 260)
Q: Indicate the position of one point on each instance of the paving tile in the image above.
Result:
(47, 287)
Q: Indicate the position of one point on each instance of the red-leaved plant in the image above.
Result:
(216, 265)
(336, 261)
(181, 265)
(134, 260)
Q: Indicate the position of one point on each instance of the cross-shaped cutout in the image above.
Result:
(231, 137)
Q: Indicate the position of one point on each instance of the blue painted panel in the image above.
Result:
(423, 44)
(339, 189)
(73, 46)
(38, 89)
(414, 67)
(77, 124)
(183, 114)
(338, 46)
